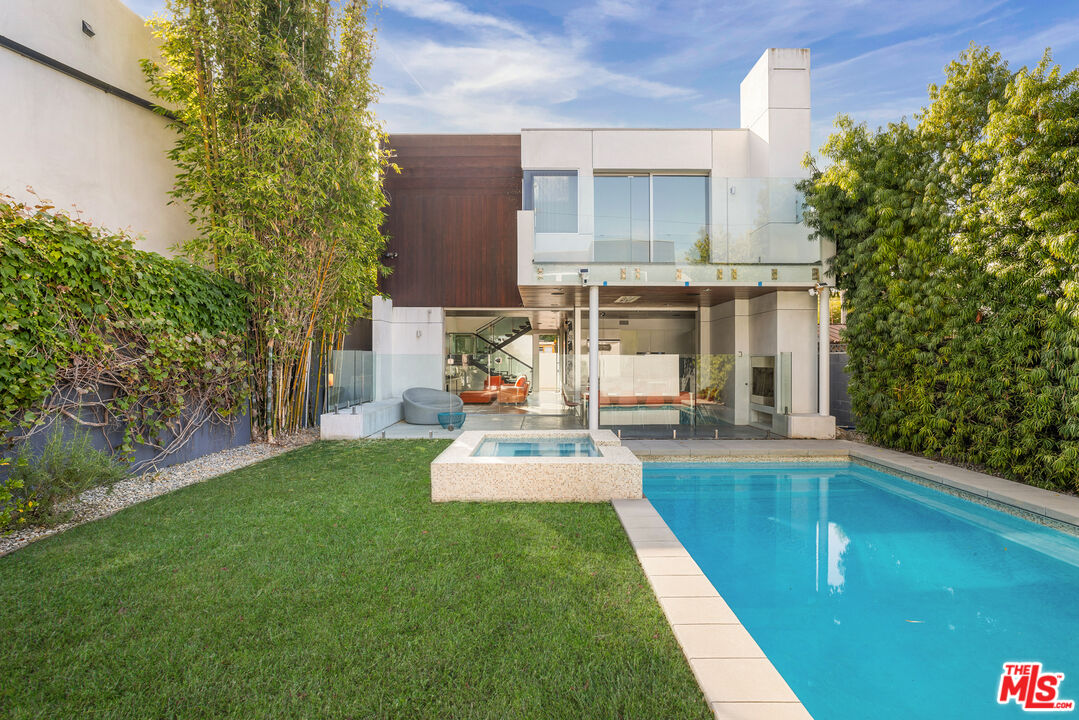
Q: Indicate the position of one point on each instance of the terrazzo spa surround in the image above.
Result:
(524, 466)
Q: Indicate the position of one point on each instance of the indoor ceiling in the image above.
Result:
(651, 296)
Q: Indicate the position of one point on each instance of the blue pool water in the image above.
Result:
(577, 446)
(875, 597)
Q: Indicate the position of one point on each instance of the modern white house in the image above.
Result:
(675, 261)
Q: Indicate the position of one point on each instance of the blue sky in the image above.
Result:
(449, 66)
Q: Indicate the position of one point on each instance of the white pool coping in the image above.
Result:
(738, 681)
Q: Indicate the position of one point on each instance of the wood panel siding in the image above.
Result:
(452, 220)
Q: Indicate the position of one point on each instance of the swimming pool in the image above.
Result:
(573, 446)
(873, 596)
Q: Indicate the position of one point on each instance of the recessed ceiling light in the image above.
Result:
(626, 299)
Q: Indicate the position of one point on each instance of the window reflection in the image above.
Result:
(622, 218)
(680, 228)
(552, 194)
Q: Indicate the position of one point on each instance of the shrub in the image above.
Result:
(94, 330)
(36, 486)
(957, 241)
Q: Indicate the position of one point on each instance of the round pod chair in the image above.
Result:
(422, 405)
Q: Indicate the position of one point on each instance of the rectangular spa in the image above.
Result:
(530, 466)
(874, 596)
(537, 446)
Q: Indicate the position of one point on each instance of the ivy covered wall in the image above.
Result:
(957, 241)
(95, 332)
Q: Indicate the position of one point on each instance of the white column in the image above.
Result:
(593, 357)
(743, 371)
(823, 296)
(577, 353)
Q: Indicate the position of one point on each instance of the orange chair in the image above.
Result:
(486, 395)
(514, 394)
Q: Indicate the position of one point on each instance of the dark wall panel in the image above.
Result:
(452, 220)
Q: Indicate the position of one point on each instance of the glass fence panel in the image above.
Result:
(764, 222)
(783, 382)
(350, 378)
(688, 220)
(645, 393)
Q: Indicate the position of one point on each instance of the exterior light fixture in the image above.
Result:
(87, 29)
(627, 299)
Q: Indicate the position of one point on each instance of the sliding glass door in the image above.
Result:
(622, 221)
(651, 218)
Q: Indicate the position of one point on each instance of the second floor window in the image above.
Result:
(652, 218)
(552, 195)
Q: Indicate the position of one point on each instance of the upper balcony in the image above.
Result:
(677, 205)
(687, 222)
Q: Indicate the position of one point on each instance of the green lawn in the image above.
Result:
(324, 583)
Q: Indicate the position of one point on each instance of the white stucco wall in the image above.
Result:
(775, 106)
(73, 144)
(409, 347)
(786, 321)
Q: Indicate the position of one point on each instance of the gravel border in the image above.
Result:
(100, 502)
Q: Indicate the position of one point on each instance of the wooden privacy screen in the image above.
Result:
(452, 220)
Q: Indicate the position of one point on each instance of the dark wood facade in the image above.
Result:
(452, 221)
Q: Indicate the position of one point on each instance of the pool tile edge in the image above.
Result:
(737, 680)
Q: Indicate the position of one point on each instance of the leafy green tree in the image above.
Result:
(956, 243)
(280, 161)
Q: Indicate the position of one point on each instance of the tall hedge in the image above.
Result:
(957, 241)
(97, 332)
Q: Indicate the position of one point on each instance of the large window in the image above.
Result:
(552, 195)
(622, 218)
(652, 218)
(680, 232)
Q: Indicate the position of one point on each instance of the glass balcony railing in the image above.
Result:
(737, 221)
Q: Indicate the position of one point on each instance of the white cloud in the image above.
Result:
(499, 81)
(1030, 49)
(453, 13)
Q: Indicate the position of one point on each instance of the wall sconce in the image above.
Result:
(87, 29)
